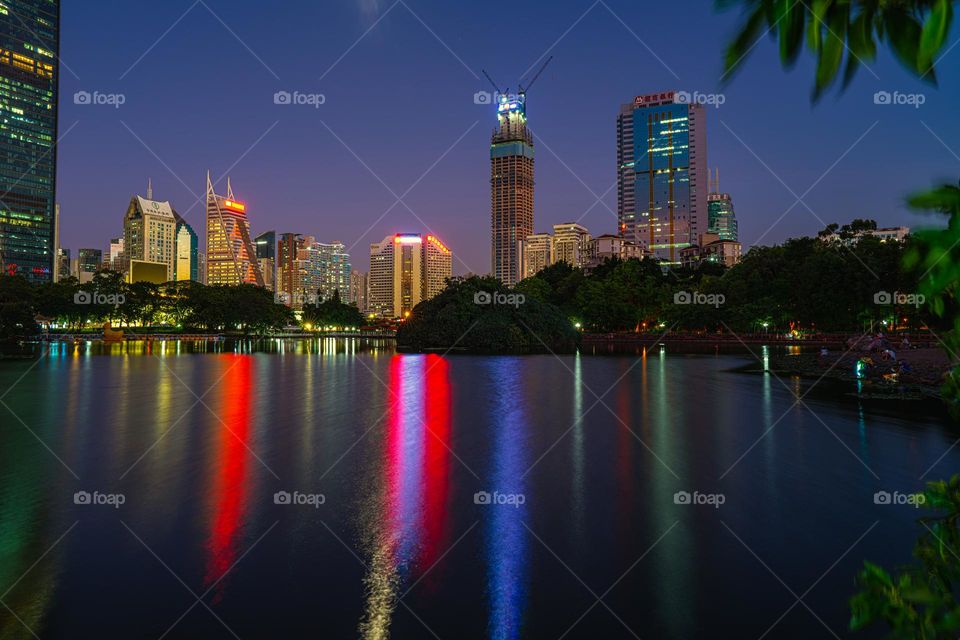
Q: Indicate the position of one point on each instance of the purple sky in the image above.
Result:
(399, 119)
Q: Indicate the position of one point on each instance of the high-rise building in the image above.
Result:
(437, 266)
(511, 188)
(405, 269)
(289, 269)
(63, 268)
(334, 269)
(571, 244)
(661, 174)
(149, 232)
(186, 265)
(90, 260)
(359, 290)
(721, 219)
(265, 245)
(113, 256)
(537, 253)
(231, 257)
(29, 46)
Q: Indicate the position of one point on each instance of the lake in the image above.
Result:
(336, 489)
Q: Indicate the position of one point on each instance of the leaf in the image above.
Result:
(904, 33)
(738, 49)
(831, 55)
(934, 34)
(860, 38)
(790, 20)
(818, 9)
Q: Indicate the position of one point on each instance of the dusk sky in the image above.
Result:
(199, 78)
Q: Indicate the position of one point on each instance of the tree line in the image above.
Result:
(181, 306)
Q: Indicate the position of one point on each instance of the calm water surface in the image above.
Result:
(586, 454)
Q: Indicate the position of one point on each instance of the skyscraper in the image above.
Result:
(359, 290)
(266, 247)
(334, 270)
(721, 218)
(437, 266)
(511, 188)
(405, 270)
(29, 46)
(186, 264)
(289, 269)
(231, 257)
(113, 257)
(661, 174)
(149, 232)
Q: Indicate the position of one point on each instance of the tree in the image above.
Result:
(333, 313)
(16, 308)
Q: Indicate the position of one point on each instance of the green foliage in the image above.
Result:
(333, 313)
(482, 315)
(805, 283)
(16, 308)
(915, 30)
(936, 253)
(191, 305)
(918, 601)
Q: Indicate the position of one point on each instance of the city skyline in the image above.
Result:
(319, 168)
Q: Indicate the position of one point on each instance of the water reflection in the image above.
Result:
(229, 480)
(412, 521)
(506, 539)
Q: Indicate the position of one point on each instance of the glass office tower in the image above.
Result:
(29, 45)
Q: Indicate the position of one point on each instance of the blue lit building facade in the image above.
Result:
(721, 218)
(661, 174)
(29, 45)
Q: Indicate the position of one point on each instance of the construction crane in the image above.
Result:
(523, 90)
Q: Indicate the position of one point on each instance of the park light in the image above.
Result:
(577, 325)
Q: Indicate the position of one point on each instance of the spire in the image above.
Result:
(209, 184)
(716, 180)
(230, 189)
(149, 189)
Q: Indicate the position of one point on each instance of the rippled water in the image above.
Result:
(392, 459)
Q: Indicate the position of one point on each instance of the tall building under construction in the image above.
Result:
(511, 188)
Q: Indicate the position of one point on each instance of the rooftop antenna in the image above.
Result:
(149, 189)
(523, 90)
(230, 189)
